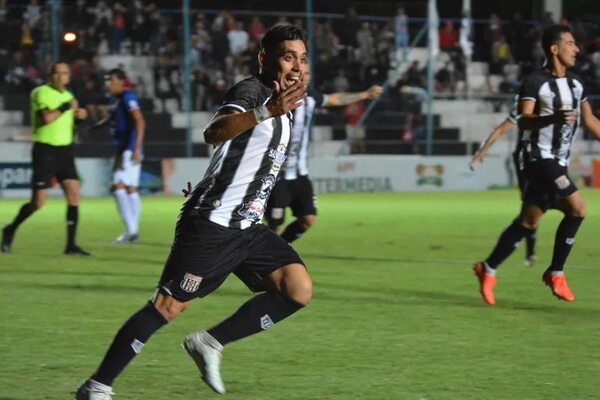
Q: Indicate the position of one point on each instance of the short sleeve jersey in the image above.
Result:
(60, 131)
(243, 170)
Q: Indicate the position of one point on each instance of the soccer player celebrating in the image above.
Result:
(552, 103)
(518, 160)
(294, 189)
(218, 231)
(53, 113)
(127, 127)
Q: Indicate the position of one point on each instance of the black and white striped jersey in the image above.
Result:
(243, 170)
(296, 164)
(551, 93)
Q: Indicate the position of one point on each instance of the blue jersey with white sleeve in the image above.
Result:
(122, 123)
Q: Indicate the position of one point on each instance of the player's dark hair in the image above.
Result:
(118, 73)
(552, 35)
(53, 66)
(280, 33)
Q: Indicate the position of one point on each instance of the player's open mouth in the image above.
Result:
(291, 79)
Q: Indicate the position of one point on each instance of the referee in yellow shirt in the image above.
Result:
(53, 113)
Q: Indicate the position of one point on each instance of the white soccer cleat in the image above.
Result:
(206, 353)
(92, 390)
(125, 238)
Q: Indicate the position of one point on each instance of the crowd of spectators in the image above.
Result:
(350, 53)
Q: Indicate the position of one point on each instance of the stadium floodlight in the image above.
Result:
(69, 37)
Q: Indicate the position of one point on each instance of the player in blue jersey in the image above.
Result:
(127, 126)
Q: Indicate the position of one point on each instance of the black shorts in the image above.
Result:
(49, 162)
(546, 182)
(297, 194)
(204, 253)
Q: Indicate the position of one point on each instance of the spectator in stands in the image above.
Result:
(347, 28)
(341, 83)
(401, 32)
(238, 39)
(257, 29)
(366, 44)
(501, 55)
(444, 79)
(448, 37)
(32, 14)
(118, 27)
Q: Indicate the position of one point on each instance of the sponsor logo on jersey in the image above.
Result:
(278, 156)
(190, 283)
(252, 210)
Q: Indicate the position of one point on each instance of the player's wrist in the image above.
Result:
(261, 113)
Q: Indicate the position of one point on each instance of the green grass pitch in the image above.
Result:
(396, 313)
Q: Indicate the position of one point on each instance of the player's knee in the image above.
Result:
(36, 204)
(131, 189)
(307, 221)
(301, 291)
(170, 308)
(578, 212)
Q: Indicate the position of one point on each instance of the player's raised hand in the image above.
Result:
(286, 100)
(477, 158)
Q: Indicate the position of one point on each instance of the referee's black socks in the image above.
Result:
(128, 342)
(72, 219)
(24, 212)
(507, 243)
(563, 242)
(257, 314)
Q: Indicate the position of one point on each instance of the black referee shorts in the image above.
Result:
(546, 182)
(298, 194)
(204, 253)
(49, 162)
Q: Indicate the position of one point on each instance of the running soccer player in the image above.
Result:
(497, 133)
(53, 114)
(552, 103)
(294, 188)
(128, 129)
(218, 231)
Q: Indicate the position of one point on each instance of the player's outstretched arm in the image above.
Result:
(228, 124)
(343, 99)
(497, 133)
(591, 123)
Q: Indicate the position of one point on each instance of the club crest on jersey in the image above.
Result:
(252, 210)
(278, 156)
(190, 283)
(265, 187)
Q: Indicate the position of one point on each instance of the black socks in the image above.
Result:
(257, 314)
(72, 219)
(563, 242)
(507, 243)
(128, 343)
(293, 231)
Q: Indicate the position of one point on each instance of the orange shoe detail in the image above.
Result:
(558, 285)
(486, 283)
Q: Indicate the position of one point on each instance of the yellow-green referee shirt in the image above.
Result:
(60, 131)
